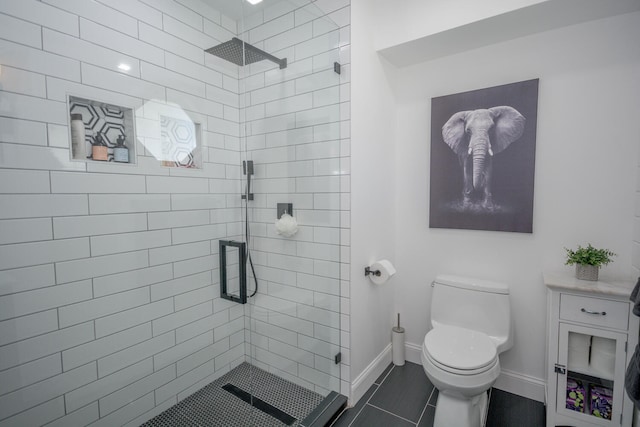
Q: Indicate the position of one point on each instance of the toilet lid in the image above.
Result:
(460, 348)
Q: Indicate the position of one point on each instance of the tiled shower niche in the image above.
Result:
(100, 131)
(169, 134)
(180, 142)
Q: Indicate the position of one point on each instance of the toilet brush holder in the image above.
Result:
(397, 344)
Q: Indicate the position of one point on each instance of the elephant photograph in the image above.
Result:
(483, 158)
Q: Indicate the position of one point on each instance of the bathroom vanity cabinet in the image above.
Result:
(591, 336)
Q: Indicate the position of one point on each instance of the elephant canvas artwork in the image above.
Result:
(483, 158)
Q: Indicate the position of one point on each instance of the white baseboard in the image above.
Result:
(412, 352)
(512, 382)
(523, 385)
(367, 377)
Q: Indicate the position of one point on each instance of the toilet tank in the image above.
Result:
(475, 304)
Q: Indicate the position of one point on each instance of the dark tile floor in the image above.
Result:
(404, 396)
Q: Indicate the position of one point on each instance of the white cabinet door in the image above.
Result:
(592, 388)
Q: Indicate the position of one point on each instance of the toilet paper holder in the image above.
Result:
(368, 271)
(380, 271)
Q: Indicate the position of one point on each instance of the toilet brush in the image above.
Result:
(397, 344)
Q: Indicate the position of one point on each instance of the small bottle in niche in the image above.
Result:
(121, 152)
(78, 146)
(99, 149)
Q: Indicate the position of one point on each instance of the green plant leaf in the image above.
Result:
(589, 256)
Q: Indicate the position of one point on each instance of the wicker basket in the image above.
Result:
(587, 272)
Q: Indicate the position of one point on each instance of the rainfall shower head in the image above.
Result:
(241, 53)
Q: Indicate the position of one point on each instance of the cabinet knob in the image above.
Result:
(600, 313)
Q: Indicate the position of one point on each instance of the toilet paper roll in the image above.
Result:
(603, 355)
(605, 345)
(579, 350)
(579, 340)
(397, 346)
(386, 270)
(604, 363)
(578, 357)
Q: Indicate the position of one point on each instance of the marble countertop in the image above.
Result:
(568, 282)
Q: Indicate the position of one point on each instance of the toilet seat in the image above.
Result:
(459, 350)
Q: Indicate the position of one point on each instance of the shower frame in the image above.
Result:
(248, 58)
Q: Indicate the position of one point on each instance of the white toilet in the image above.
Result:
(471, 325)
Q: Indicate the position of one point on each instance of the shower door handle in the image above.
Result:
(242, 271)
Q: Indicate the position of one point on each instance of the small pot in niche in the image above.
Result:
(99, 149)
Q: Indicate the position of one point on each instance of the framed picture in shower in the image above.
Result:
(483, 145)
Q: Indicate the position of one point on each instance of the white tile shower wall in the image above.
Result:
(294, 118)
(109, 303)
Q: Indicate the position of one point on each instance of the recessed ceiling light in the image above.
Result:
(254, 1)
(124, 67)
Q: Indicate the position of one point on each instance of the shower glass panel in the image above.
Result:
(290, 131)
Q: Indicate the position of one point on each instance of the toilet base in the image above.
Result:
(461, 412)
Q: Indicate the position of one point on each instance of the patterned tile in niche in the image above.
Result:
(180, 143)
(98, 118)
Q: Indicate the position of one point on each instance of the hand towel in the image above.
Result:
(635, 298)
(632, 378)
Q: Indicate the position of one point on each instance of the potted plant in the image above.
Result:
(588, 261)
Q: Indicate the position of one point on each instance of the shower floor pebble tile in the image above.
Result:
(212, 406)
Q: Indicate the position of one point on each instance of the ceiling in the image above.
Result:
(237, 9)
(234, 8)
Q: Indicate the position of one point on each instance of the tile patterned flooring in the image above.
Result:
(213, 406)
(403, 396)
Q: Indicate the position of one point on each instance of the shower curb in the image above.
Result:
(326, 412)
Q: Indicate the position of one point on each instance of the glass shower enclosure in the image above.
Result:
(290, 142)
(186, 156)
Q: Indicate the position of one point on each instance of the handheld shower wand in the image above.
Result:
(247, 169)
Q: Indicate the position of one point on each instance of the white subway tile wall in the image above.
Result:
(109, 274)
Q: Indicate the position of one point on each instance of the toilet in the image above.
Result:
(470, 326)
